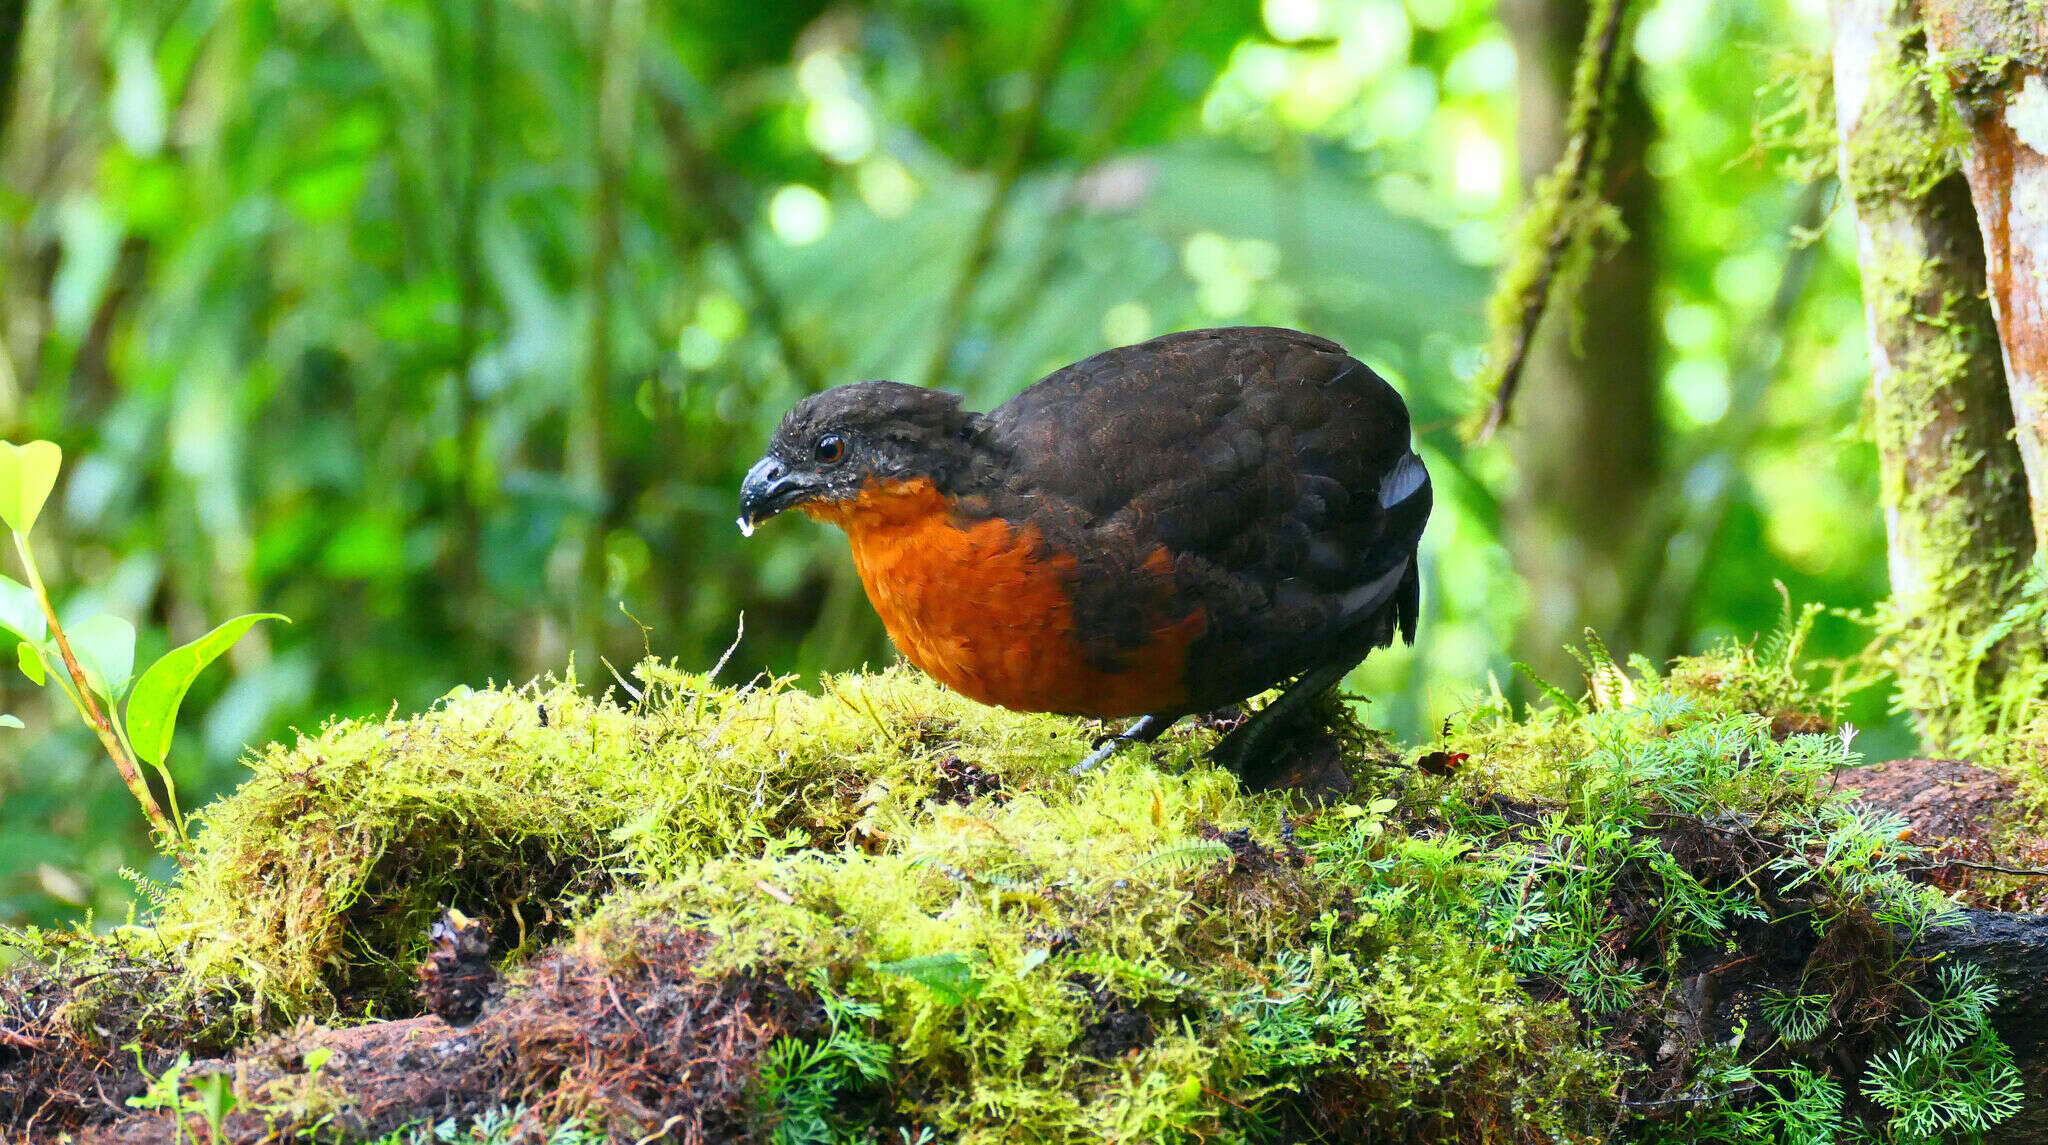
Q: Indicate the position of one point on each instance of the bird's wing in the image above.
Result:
(1271, 468)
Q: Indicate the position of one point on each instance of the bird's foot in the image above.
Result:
(1242, 745)
(1256, 749)
(1144, 729)
(1098, 757)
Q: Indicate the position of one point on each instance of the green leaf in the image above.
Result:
(31, 661)
(105, 647)
(153, 707)
(27, 474)
(949, 975)
(7, 721)
(19, 612)
(216, 1099)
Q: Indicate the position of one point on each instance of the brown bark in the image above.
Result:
(1952, 483)
(1994, 53)
(1585, 434)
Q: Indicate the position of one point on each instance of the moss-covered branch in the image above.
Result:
(1569, 217)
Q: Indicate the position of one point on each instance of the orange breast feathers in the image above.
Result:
(978, 607)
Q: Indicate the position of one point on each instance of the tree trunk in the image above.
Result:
(1954, 490)
(1585, 434)
(2004, 102)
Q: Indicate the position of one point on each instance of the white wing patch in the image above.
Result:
(1407, 477)
(1369, 596)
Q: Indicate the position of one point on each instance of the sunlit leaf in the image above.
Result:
(27, 474)
(153, 707)
(105, 647)
(19, 612)
(31, 662)
(10, 722)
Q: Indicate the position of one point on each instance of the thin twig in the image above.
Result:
(1682, 1099)
(613, 990)
(1577, 171)
(1679, 507)
(981, 245)
(22, 1041)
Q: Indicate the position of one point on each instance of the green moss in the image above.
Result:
(315, 882)
(988, 937)
(1143, 953)
(1569, 221)
(1795, 116)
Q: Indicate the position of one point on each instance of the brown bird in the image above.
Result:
(1158, 530)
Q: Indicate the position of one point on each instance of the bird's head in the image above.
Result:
(833, 446)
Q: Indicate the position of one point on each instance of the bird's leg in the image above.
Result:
(1247, 749)
(1144, 729)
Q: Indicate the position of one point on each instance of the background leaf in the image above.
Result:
(153, 705)
(19, 611)
(27, 474)
(949, 975)
(105, 647)
(31, 660)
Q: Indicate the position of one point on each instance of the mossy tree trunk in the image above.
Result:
(1993, 52)
(1954, 489)
(1585, 433)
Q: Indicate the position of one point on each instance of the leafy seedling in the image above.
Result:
(97, 654)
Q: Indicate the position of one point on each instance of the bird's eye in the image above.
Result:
(829, 448)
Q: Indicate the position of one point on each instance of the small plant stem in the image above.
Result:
(104, 727)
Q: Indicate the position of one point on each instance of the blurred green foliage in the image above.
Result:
(448, 329)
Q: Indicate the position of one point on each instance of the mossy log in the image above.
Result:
(883, 913)
(2013, 950)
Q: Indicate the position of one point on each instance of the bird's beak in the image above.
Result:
(770, 488)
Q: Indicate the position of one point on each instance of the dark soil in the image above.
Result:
(1116, 1026)
(963, 782)
(75, 1039)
